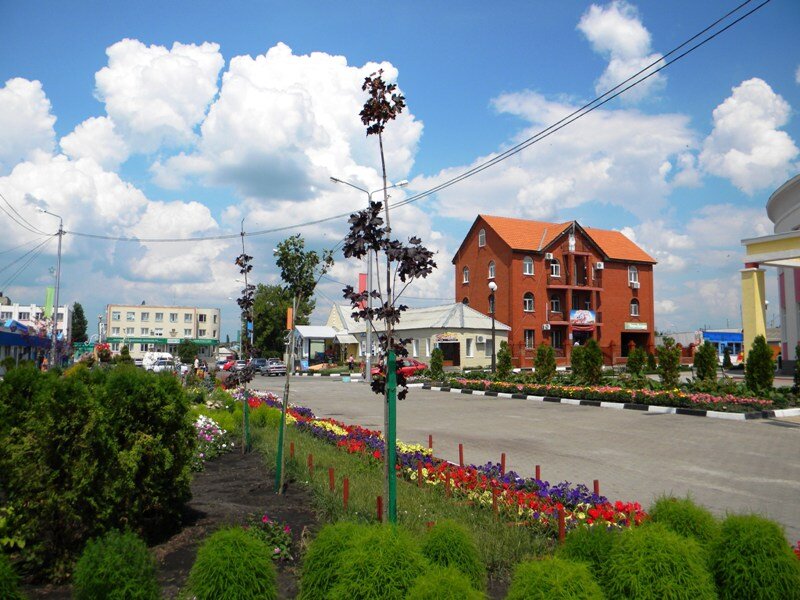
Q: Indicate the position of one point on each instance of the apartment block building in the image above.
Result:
(31, 316)
(146, 328)
(558, 283)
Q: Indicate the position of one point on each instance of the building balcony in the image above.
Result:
(568, 282)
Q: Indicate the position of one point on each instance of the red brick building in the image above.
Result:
(558, 283)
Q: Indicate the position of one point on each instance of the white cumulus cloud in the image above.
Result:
(616, 31)
(157, 95)
(26, 122)
(746, 145)
(96, 138)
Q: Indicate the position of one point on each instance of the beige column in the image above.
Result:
(754, 321)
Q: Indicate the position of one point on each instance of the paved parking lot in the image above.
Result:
(725, 465)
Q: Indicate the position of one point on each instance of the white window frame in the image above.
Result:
(130, 331)
(527, 266)
(555, 268)
(201, 318)
(115, 346)
(159, 316)
(173, 317)
(145, 331)
(633, 274)
(481, 238)
(470, 350)
(201, 333)
(465, 275)
(187, 333)
(145, 316)
(634, 308)
(116, 316)
(130, 315)
(115, 331)
(530, 339)
(427, 346)
(555, 304)
(187, 317)
(492, 269)
(528, 302)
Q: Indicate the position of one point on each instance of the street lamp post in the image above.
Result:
(58, 285)
(368, 366)
(492, 290)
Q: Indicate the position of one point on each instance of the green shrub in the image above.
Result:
(9, 581)
(437, 364)
(592, 362)
(504, 365)
(726, 358)
(233, 564)
(443, 583)
(448, 544)
(591, 545)
(265, 416)
(576, 362)
(705, 361)
(636, 361)
(117, 566)
(384, 562)
(669, 363)
(651, 362)
(751, 559)
(653, 562)
(759, 368)
(323, 560)
(686, 518)
(553, 579)
(544, 364)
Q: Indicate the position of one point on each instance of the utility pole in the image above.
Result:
(53, 349)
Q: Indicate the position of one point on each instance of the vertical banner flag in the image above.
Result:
(48, 303)
(362, 287)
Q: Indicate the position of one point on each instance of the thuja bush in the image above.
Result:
(592, 362)
(384, 562)
(117, 566)
(323, 560)
(553, 579)
(9, 581)
(544, 364)
(652, 562)
(705, 361)
(265, 416)
(233, 564)
(448, 544)
(437, 364)
(576, 362)
(89, 453)
(504, 365)
(669, 363)
(443, 583)
(751, 559)
(591, 545)
(637, 359)
(686, 518)
(759, 368)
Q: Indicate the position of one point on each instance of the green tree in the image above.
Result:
(592, 362)
(269, 315)
(576, 362)
(437, 364)
(79, 323)
(651, 362)
(726, 358)
(636, 362)
(124, 356)
(504, 361)
(705, 361)
(669, 363)
(545, 364)
(759, 369)
(187, 351)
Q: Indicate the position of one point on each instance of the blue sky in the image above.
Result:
(178, 119)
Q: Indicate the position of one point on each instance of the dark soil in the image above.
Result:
(231, 488)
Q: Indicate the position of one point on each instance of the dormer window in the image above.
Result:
(481, 238)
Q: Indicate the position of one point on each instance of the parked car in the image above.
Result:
(163, 365)
(274, 366)
(408, 367)
(258, 363)
(138, 362)
(239, 365)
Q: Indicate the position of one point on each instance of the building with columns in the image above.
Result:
(780, 250)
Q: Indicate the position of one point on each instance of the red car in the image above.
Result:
(408, 367)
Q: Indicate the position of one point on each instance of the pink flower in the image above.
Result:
(265, 519)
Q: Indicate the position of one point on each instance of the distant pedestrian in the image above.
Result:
(351, 363)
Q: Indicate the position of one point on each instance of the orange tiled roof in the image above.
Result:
(521, 234)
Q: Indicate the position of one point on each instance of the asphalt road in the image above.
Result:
(728, 466)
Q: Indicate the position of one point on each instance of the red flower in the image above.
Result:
(377, 454)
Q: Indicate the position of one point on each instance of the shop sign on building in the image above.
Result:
(582, 320)
(632, 326)
(446, 337)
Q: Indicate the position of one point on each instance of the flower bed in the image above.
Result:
(521, 501)
(675, 398)
(212, 441)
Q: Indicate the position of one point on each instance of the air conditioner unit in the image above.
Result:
(600, 266)
(635, 285)
(548, 256)
(545, 326)
(480, 339)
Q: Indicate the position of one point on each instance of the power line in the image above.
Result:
(24, 266)
(13, 262)
(19, 219)
(599, 101)
(18, 247)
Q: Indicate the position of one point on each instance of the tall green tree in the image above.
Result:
(545, 364)
(705, 361)
(759, 369)
(186, 351)
(269, 314)
(79, 323)
(669, 363)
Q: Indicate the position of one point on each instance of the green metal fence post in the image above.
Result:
(391, 436)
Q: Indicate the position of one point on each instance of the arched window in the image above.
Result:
(527, 302)
(633, 274)
(555, 304)
(634, 308)
(465, 272)
(481, 238)
(555, 268)
(527, 266)
(491, 269)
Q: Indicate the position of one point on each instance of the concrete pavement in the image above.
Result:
(733, 466)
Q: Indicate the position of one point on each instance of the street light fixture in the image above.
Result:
(58, 286)
(401, 183)
(492, 290)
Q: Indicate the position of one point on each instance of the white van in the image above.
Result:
(151, 359)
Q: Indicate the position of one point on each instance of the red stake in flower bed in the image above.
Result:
(461, 455)
(291, 449)
(379, 504)
(561, 526)
(596, 487)
(502, 464)
(538, 473)
(430, 442)
(345, 492)
(331, 480)
(430, 524)
(311, 466)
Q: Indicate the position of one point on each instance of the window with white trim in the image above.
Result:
(555, 304)
(130, 316)
(201, 333)
(116, 315)
(187, 317)
(187, 333)
(530, 339)
(634, 308)
(115, 331)
(633, 274)
(555, 268)
(145, 316)
(465, 275)
(527, 302)
(173, 317)
(129, 330)
(145, 331)
(527, 266)
(470, 352)
(427, 346)
(481, 238)
(491, 269)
